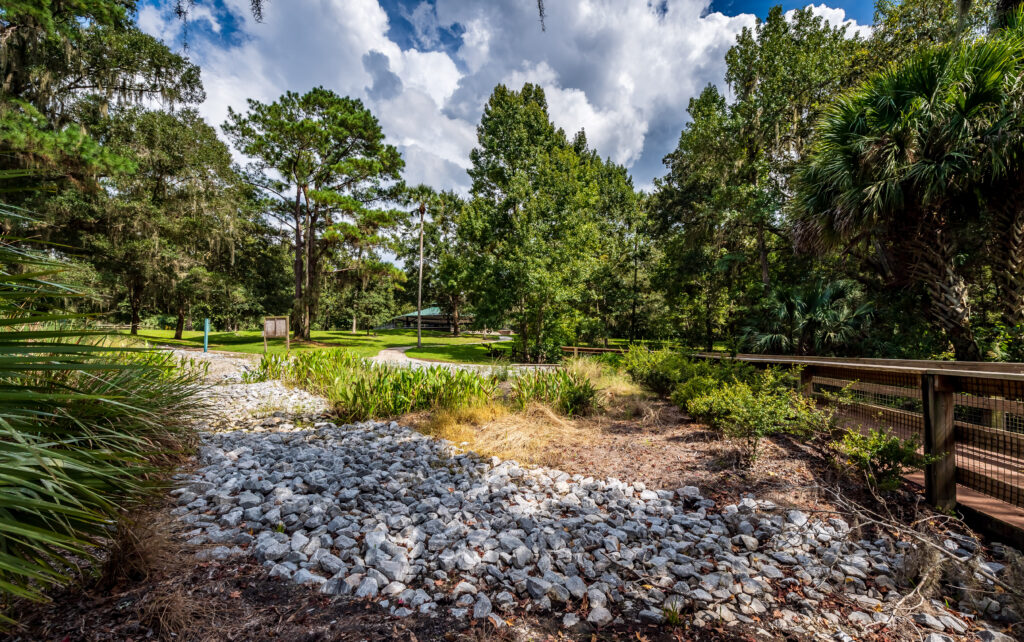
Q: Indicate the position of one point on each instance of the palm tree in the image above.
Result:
(821, 318)
(421, 196)
(85, 425)
(919, 158)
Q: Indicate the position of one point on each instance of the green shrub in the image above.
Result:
(748, 412)
(881, 456)
(570, 393)
(663, 371)
(694, 387)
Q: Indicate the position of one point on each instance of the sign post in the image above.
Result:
(276, 328)
(206, 335)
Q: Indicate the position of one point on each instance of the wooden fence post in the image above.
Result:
(807, 381)
(939, 440)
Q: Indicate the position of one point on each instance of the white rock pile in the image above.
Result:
(379, 511)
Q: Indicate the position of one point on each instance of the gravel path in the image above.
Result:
(378, 511)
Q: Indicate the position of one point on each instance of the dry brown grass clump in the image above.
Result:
(494, 430)
(619, 396)
(176, 615)
(535, 436)
(140, 550)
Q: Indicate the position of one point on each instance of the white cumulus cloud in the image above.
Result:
(619, 69)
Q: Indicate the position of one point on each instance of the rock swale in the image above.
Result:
(377, 510)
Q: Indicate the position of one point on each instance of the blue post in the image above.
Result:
(206, 335)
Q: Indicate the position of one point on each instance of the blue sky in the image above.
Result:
(623, 70)
(862, 12)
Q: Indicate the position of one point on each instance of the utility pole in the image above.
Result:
(419, 293)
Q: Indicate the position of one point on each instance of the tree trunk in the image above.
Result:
(307, 275)
(948, 294)
(135, 301)
(632, 313)
(1010, 270)
(299, 251)
(455, 316)
(762, 251)
(180, 325)
(709, 332)
(524, 336)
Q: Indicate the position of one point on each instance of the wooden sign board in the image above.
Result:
(276, 328)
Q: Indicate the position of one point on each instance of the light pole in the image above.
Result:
(419, 293)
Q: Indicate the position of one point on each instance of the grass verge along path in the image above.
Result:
(477, 353)
(362, 344)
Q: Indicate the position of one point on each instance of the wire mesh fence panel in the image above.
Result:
(989, 420)
(869, 399)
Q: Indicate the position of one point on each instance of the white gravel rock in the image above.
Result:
(384, 510)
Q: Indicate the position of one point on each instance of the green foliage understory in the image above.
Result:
(86, 427)
(360, 389)
(881, 456)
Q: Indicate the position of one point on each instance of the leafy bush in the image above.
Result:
(694, 387)
(882, 456)
(663, 371)
(748, 412)
(659, 370)
(570, 393)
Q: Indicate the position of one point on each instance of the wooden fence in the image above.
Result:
(968, 415)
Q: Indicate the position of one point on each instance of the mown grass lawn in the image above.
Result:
(251, 341)
(461, 353)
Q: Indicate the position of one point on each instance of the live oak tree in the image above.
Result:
(63, 65)
(324, 159)
(153, 230)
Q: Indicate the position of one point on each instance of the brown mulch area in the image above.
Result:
(668, 450)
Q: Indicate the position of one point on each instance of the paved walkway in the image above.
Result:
(397, 356)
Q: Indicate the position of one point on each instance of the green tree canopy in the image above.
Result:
(324, 159)
(922, 164)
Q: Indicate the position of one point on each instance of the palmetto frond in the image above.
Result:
(83, 424)
(904, 157)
